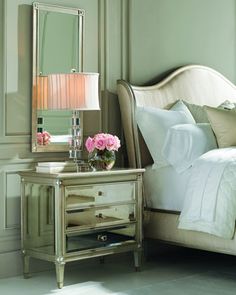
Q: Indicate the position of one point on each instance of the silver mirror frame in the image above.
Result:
(35, 60)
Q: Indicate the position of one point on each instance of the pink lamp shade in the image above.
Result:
(76, 91)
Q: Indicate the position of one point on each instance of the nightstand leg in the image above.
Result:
(60, 274)
(137, 260)
(26, 259)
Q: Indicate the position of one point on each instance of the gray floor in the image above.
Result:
(171, 270)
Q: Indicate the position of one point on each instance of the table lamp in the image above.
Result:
(76, 92)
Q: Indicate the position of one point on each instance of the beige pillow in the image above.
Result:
(223, 123)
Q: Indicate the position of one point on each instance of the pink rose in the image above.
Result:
(100, 141)
(117, 143)
(39, 138)
(110, 145)
(46, 137)
(43, 138)
(90, 146)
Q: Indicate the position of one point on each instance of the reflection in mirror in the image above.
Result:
(56, 123)
(58, 37)
(57, 49)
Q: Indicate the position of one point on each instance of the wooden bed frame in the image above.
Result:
(195, 84)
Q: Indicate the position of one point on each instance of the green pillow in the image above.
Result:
(198, 112)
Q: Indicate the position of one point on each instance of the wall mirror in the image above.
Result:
(57, 49)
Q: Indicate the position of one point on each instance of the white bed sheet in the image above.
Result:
(210, 203)
(165, 188)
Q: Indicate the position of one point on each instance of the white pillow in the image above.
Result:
(181, 107)
(154, 124)
(186, 142)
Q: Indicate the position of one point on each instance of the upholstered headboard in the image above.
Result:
(194, 83)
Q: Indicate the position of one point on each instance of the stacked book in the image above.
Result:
(56, 167)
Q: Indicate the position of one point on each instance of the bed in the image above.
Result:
(195, 84)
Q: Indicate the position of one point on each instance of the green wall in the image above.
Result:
(135, 40)
(165, 34)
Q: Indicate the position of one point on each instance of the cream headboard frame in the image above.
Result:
(193, 83)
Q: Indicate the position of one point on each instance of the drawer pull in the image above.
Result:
(100, 193)
(102, 238)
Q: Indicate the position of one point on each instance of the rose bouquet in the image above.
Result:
(101, 150)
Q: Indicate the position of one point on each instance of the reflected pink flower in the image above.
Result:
(43, 138)
(39, 138)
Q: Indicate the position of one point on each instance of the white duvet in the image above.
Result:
(210, 201)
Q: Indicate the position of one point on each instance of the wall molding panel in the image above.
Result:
(113, 55)
(102, 61)
(12, 200)
(125, 39)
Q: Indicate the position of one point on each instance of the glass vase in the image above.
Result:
(101, 160)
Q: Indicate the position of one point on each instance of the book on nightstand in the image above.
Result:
(56, 167)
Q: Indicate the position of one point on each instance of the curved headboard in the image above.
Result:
(194, 83)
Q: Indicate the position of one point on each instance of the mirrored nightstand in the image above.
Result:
(73, 216)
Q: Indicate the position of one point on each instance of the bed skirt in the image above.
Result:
(162, 226)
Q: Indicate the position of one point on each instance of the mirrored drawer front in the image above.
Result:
(100, 239)
(82, 196)
(103, 216)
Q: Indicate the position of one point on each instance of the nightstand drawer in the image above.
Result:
(100, 239)
(100, 217)
(82, 196)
